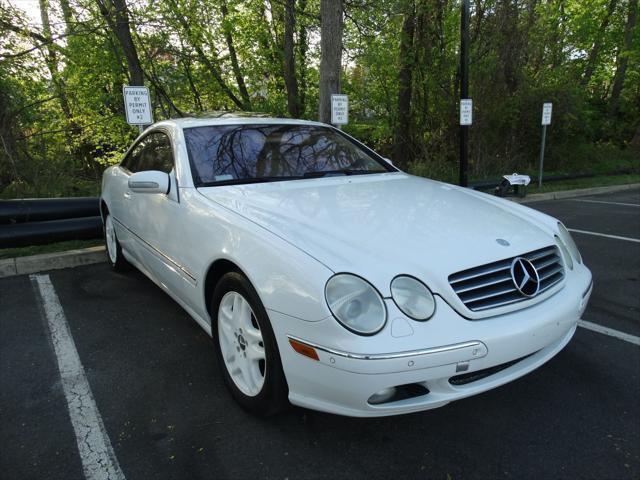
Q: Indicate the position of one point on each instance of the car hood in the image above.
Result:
(382, 225)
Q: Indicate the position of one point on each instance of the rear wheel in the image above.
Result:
(114, 250)
(246, 347)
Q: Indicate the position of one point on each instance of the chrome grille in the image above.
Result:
(491, 286)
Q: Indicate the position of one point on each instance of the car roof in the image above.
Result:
(232, 118)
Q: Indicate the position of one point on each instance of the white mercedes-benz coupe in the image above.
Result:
(328, 277)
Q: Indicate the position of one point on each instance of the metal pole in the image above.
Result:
(464, 89)
(544, 137)
(140, 128)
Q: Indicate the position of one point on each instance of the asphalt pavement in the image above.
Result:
(155, 382)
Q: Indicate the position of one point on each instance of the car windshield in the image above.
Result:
(231, 154)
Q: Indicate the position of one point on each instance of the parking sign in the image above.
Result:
(137, 105)
(339, 109)
(466, 111)
(546, 113)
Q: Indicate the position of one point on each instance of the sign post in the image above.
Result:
(339, 110)
(464, 92)
(137, 104)
(466, 119)
(546, 120)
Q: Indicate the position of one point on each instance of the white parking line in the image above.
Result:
(608, 203)
(615, 237)
(98, 459)
(609, 331)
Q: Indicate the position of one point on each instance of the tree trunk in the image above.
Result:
(528, 44)
(425, 53)
(510, 44)
(8, 141)
(67, 15)
(290, 79)
(117, 17)
(559, 36)
(267, 39)
(192, 86)
(623, 58)
(331, 54)
(51, 60)
(302, 55)
(202, 57)
(402, 137)
(216, 74)
(152, 76)
(595, 48)
(235, 65)
(635, 141)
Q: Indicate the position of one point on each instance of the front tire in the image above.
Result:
(114, 250)
(246, 347)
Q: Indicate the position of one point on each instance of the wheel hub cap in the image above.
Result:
(241, 343)
(110, 235)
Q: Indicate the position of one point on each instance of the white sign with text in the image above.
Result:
(137, 104)
(546, 113)
(466, 111)
(339, 109)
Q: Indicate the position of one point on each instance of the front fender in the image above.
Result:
(286, 279)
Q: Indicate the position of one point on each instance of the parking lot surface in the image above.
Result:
(156, 385)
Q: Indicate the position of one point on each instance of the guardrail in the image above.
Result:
(48, 220)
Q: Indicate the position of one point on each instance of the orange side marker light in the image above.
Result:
(304, 349)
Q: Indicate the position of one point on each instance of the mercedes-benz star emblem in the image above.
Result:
(525, 277)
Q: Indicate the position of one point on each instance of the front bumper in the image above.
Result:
(343, 379)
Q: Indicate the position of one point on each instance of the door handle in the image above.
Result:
(127, 195)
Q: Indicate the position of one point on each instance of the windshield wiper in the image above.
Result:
(323, 173)
(240, 181)
(329, 173)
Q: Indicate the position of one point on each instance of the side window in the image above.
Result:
(132, 161)
(156, 154)
(153, 152)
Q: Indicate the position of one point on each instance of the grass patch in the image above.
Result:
(599, 181)
(50, 248)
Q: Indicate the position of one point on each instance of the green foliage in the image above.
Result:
(62, 120)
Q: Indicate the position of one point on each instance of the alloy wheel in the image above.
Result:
(110, 235)
(241, 343)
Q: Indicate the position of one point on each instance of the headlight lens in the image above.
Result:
(355, 304)
(565, 253)
(566, 238)
(413, 297)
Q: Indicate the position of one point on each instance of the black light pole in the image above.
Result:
(464, 89)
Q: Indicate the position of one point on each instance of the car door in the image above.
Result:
(156, 219)
(119, 206)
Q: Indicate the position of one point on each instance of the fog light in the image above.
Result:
(382, 396)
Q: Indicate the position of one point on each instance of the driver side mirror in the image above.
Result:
(149, 181)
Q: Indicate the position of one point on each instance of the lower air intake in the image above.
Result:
(471, 377)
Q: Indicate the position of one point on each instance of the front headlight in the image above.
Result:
(565, 252)
(412, 297)
(566, 238)
(355, 304)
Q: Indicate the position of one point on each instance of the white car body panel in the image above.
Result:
(355, 224)
(290, 237)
